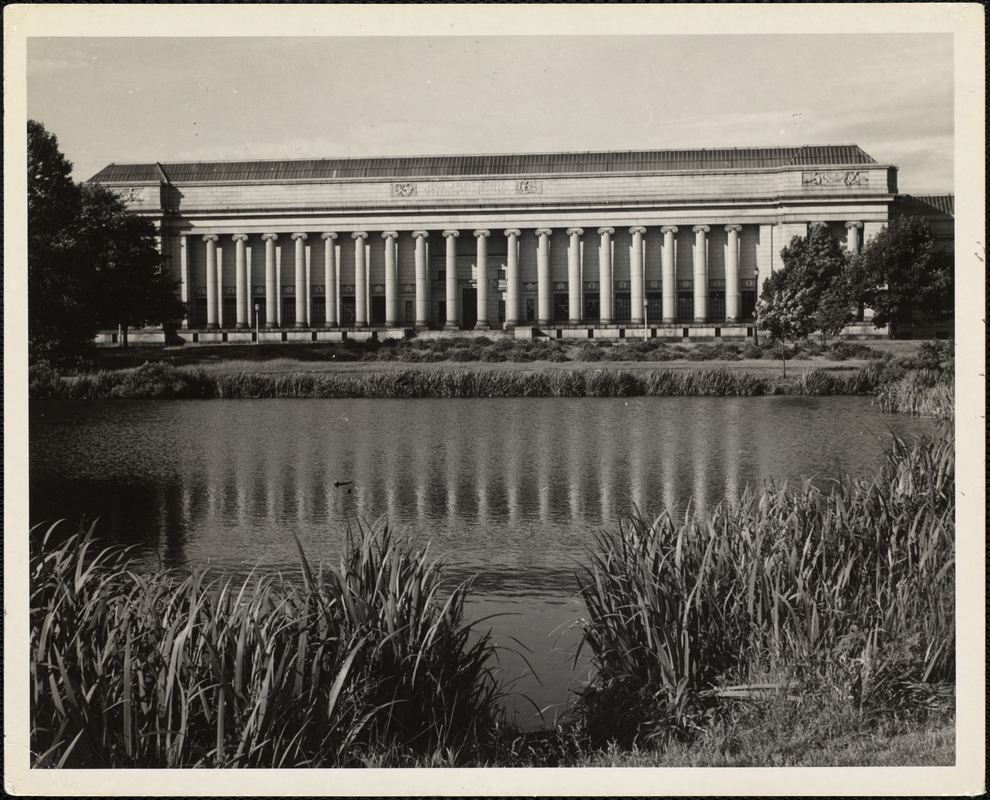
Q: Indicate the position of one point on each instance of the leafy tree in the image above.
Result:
(91, 264)
(60, 326)
(900, 273)
(129, 286)
(810, 292)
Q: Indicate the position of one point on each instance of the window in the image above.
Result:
(442, 312)
(716, 306)
(347, 307)
(199, 312)
(260, 315)
(685, 306)
(749, 305)
(229, 312)
(410, 314)
(319, 311)
(560, 307)
(623, 307)
(501, 310)
(530, 309)
(288, 311)
(592, 308)
(654, 307)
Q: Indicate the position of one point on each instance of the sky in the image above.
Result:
(192, 98)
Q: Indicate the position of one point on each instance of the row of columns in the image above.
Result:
(513, 282)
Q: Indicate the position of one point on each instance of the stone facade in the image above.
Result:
(574, 245)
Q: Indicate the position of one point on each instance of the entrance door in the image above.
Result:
(469, 308)
(377, 310)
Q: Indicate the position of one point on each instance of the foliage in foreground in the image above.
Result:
(851, 589)
(163, 670)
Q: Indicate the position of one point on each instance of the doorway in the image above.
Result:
(469, 308)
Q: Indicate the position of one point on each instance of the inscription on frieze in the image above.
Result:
(835, 179)
(467, 188)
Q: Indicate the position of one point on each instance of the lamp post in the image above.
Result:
(257, 323)
(646, 320)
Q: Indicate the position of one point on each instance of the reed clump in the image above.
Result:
(849, 591)
(165, 670)
(922, 392)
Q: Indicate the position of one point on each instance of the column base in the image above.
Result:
(300, 325)
(574, 322)
(605, 321)
(732, 320)
(391, 324)
(241, 325)
(542, 322)
(669, 320)
(421, 326)
(451, 326)
(701, 319)
(510, 325)
(271, 325)
(212, 326)
(482, 326)
(636, 323)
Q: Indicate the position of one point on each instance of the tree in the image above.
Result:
(810, 292)
(60, 327)
(129, 286)
(90, 262)
(900, 273)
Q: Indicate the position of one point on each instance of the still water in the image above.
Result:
(509, 490)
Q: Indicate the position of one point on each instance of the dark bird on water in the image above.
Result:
(338, 484)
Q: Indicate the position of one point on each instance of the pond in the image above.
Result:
(510, 490)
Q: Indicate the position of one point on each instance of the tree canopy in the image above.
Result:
(91, 263)
(810, 292)
(900, 274)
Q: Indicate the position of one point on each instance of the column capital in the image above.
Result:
(668, 229)
(299, 237)
(700, 229)
(482, 233)
(328, 235)
(390, 234)
(609, 231)
(733, 227)
(211, 237)
(854, 224)
(421, 234)
(449, 234)
(240, 237)
(359, 235)
(575, 231)
(637, 229)
(269, 237)
(544, 232)
(513, 232)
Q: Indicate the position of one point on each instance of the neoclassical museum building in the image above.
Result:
(662, 243)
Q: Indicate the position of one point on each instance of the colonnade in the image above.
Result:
(602, 277)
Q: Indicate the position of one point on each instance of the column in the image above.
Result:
(271, 312)
(512, 278)
(391, 280)
(852, 236)
(300, 266)
(240, 277)
(574, 311)
(733, 300)
(184, 278)
(422, 281)
(668, 277)
(700, 273)
(451, 237)
(360, 281)
(482, 237)
(605, 275)
(211, 280)
(636, 296)
(329, 278)
(543, 275)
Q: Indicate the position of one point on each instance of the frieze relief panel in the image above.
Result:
(467, 189)
(849, 178)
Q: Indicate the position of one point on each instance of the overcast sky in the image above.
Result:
(176, 99)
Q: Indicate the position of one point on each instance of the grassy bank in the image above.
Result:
(162, 381)
(760, 633)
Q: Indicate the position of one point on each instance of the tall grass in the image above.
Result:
(923, 392)
(162, 670)
(851, 589)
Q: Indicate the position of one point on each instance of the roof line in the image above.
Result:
(520, 153)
